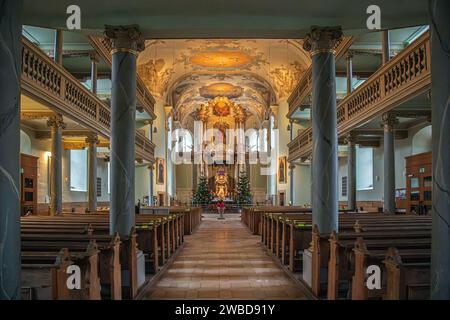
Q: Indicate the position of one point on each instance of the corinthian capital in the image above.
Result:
(322, 39)
(389, 121)
(125, 38)
(56, 120)
(92, 138)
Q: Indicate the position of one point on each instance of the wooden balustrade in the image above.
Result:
(301, 145)
(145, 99)
(145, 148)
(405, 76)
(304, 86)
(50, 84)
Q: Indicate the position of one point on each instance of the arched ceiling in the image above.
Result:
(253, 73)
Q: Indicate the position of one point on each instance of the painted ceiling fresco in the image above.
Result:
(253, 73)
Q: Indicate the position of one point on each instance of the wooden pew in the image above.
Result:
(367, 252)
(320, 245)
(407, 277)
(387, 227)
(128, 247)
(88, 263)
(106, 262)
(46, 278)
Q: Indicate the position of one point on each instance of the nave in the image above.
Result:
(223, 260)
(335, 139)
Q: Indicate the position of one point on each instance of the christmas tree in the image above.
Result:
(202, 195)
(244, 197)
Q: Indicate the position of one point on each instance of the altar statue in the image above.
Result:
(221, 182)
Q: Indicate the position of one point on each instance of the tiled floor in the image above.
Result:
(222, 260)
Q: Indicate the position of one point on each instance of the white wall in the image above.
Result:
(419, 140)
(159, 139)
(141, 182)
(302, 184)
(284, 139)
(42, 149)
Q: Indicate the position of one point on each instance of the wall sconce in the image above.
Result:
(155, 130)
(288, 127)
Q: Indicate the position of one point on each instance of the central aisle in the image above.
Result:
(222, 260)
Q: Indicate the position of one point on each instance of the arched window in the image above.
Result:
(183, 140)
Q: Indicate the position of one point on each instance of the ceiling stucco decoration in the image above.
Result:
(221, 89)
(221, 59)
(253, 73)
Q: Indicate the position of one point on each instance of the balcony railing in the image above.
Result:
(53, 86)
(143, 95)
(405, 76)
(304, 86)
(144, 147)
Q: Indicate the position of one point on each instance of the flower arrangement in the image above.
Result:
(220, 205)
(221, 208)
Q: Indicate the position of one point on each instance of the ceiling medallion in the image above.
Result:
(221, 59)
(221, 89)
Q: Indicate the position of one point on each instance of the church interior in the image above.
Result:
(249, 151)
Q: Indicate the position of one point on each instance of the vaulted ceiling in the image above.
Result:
(254, 73)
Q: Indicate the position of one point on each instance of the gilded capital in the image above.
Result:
(125, 38)
(322, 39)
(56, 120)
(92, 139)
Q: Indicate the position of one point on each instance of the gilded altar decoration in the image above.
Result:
(282, 169)
(221, 107)
(221, 184)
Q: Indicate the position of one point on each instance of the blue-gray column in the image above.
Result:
(291, 166)
(349, 58)
(56, 125)
(58, 47)
(351, 176)
(440, 79)
(126, 43)
(385, 46)
(291, 185)
(151, 167)
(92, 141)
(94, 74)
(321, 42)
(10, 66)
(389, 121)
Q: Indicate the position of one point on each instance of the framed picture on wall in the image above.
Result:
(160, 170)
(282, 170)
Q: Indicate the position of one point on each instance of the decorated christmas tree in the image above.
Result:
(244, 197)
(202, 195)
